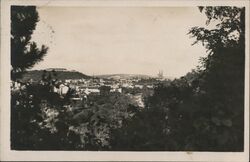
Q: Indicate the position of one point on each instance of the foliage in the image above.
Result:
(102, 114)
(227, 31)
(24, 52)
(150, 128)
(40, 118)
(216, 108)
(222, 80)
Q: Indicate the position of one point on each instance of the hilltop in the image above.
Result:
(36, 75)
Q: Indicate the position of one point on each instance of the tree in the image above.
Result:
(101, 115)
(39, 119)
(156, 127)
(24, 52)
(222, 79)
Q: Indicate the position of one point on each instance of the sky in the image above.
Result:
(115, 40)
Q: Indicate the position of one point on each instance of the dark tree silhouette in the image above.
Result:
(24, 52)
(222, 80)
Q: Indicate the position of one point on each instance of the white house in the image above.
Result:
(62, 90)
(138, 86)
(91, 90)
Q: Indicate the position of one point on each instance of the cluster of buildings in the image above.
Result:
(98, 86)
(94, 85)
(82, 88)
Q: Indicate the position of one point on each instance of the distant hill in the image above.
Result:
(36, 75)
(124, 76)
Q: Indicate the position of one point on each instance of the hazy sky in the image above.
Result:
(106, 40)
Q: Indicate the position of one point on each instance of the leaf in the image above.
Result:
(201, 8)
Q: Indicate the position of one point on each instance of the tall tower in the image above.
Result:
(160, 74)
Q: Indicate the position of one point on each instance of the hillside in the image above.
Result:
(36, 75)
(124, 76)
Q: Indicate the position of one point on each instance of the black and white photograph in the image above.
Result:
(128, 78)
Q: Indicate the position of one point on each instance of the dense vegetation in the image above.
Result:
(201, 111)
